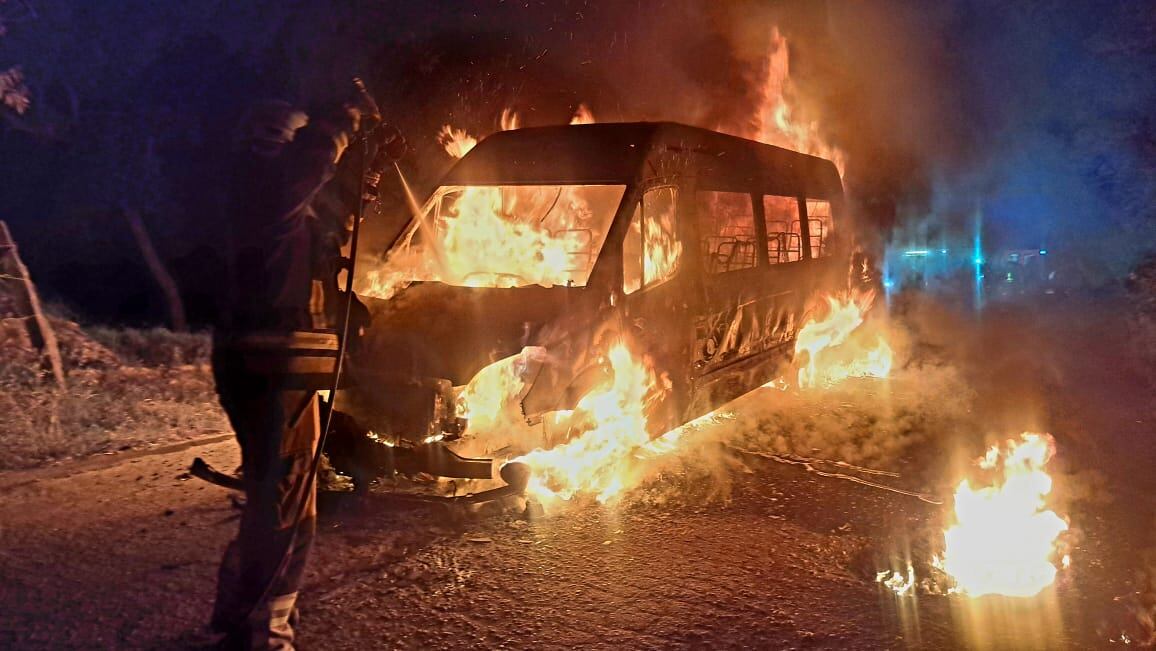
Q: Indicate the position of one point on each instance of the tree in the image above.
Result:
(14, 95)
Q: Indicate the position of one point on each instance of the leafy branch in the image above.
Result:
(14, 93)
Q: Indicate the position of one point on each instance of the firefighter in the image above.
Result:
(283, 159)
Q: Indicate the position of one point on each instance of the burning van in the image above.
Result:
(544, 246)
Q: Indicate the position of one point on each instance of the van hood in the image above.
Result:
(436, 330)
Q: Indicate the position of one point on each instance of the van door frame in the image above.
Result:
(657, 316)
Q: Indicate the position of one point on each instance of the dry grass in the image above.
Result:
(156, 347)
(126, 389)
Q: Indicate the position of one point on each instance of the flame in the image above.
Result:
(661, 248)
(479, 227)
(582, 115)
(777, 123)
(612, 421)
(833, 347)
(478, 231)
(500, 236)
(456, 142)
(1004, 538)
(509, 120)
(488, 400)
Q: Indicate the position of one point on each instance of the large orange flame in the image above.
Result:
(611, 425)
(500, 236)
(777, 123)
(1004, 538)
(833, 347)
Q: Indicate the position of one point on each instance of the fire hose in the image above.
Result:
(809, 464)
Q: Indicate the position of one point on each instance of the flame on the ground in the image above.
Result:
(1004, 537)
(611, 433)
(777, 123)
(832, 345)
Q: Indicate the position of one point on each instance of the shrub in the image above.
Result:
(154, 347)
(126, 389)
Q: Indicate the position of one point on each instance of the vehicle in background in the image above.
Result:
(965, 271)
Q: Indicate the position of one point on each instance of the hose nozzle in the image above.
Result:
(366, 104)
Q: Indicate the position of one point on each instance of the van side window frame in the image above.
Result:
(762, 256)
(804, 229)
(820, 242)
(800, 220)
(638, 209)
(760, 231)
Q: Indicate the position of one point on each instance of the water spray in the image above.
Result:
(432, 242)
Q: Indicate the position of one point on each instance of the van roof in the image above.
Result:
(626, 152)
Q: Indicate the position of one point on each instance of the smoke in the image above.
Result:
(959, 385)
(915, 425)
(1034, 115)
(1031, 118)
(1018, 125)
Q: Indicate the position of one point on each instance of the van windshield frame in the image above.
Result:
(511, 235)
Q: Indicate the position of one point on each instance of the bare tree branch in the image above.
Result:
(176, 307)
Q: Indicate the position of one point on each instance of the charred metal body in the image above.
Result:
(752, 222)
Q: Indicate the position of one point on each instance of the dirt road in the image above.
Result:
(121, 551)
(121, 554)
